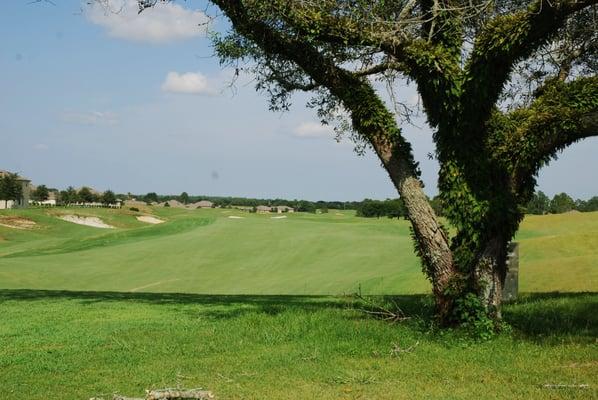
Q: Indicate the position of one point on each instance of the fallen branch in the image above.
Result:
(561, 386)
(398, 350)
(378, 311)
(178, 394)
(165, 394)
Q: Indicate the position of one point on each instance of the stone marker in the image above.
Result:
(511, 286)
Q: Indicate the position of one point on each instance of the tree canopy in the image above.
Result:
(41, 193)
(10, 187)
(108, 197)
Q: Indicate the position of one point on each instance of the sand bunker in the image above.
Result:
(280, 217)
(94, 222)
(17, 222)
(148, 219)
(235, 217)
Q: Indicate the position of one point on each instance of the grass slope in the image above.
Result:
(98, 337)
(206, 252)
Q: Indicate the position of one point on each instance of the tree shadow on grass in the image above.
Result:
(545, 317)
(221, 306)
(542, 317)
(216, 305)
(539, 317)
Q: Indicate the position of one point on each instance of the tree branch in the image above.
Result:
(563, 114)
(320, 24)
(503, 42)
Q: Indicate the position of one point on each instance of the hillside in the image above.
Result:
(205, 251)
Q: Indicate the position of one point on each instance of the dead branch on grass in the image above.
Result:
(561, 386)
(165, 394)
(379, 311)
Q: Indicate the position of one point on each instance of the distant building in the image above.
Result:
(203, 204)
(284, 209)
(134, 203)
(23, 202)
(175, 204)
(263, 209)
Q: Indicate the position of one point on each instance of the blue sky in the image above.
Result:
(137, 104)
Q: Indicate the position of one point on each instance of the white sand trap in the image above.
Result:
(235, 217)
(280, 217)
(148, 219)
(94, 222)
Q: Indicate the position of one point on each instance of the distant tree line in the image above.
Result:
(73, 196)
(86, 195)
(540, 204)
(10, 189)
(391, 208)
(368, 208)
(227, 202)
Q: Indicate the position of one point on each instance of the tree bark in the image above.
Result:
(489, 276)
(432, 241)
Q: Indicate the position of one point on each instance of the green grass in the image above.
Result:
(303, 254)
(89, 312)
(206, 252)
(75, 345)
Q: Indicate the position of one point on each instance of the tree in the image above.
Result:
(151, 197)
(589, 205)
(436, 204)
(69, 196)
(561, 203)
(391, 208)
(108, 197)
(184, 198)
(85, 195)
(41, 193)
(3, 190)
(463, 57)
(305, 206)
(539, 204)
(10, 188)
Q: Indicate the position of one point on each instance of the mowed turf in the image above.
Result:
(107, 333)
(204, 251)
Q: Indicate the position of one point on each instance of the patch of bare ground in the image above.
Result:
(16, 222)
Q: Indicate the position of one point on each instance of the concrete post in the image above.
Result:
(511, 287)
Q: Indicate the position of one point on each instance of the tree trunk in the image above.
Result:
(489, 276)
(432, 241)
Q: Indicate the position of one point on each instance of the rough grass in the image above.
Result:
(74, 345)
(82, 316)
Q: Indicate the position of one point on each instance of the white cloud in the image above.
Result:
(188, 83)
(165, 22)
(313, 130)
(89, 118)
